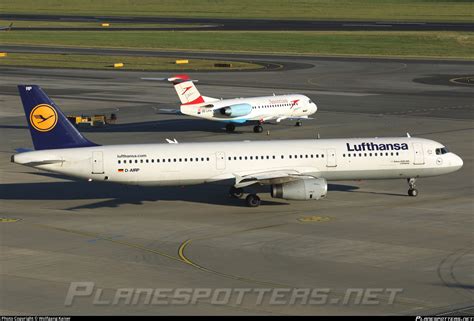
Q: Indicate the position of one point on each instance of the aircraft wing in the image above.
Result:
(277, 176)
(279, 119)
(170, 111)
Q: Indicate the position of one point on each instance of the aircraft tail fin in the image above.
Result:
(187, 92)
(49, 127)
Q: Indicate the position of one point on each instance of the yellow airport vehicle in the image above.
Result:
(93, 121)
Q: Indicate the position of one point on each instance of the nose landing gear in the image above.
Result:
(412, 191)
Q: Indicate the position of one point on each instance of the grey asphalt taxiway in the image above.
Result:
(238, 24)
(364, 235)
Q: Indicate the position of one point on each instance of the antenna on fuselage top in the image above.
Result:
(408, 135)
(318, 136)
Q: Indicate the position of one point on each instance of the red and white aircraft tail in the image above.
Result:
(187, 92)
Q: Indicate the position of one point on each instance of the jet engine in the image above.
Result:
(304, 189)
(236, 110)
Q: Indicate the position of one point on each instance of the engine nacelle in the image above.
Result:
(236, 110)
(304, 189)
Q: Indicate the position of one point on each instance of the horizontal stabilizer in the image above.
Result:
(171, 79)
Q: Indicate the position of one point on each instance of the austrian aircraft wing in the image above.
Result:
(170, 111)
(277, 176)
(280, 118)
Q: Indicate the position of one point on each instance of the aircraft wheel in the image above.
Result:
(299, 124)
(252, 200)
(229, 128)
(413, 192)
(236, 192)
(258, 129)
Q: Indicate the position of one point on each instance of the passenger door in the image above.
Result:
(220, 160)
(331, 158)
(419, 158)
(97, 163)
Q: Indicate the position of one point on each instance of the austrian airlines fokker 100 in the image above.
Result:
(240, 110)
(295, 169)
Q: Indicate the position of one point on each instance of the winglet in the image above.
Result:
(172, 141)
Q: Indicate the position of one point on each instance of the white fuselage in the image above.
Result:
(262, 108)
(194, 163)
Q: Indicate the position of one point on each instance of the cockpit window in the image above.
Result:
(310, 101)
(441, 151)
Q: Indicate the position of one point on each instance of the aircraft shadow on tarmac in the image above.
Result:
(114, 195)
(168, 125)
(179, 125)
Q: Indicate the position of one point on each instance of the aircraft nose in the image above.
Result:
(315, 108)
(457, 162)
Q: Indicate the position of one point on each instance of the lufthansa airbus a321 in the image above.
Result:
(295, 169)
(255, 110)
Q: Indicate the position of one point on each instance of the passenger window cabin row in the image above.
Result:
(207, 159)
(300, 156)
(164, 160)
(371, 154)
(270, 106)
(257, 157)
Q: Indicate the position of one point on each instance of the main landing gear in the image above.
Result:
(252, 200)
(229, 128)
(236, 192)
(412, 191)
(258, 128)
(299, 123)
